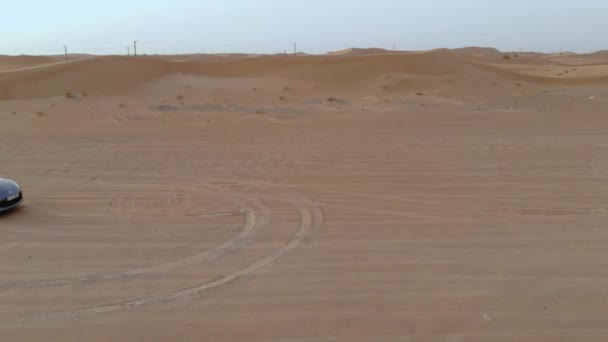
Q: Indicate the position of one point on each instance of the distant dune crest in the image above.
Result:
(44, 76)
(359, 52)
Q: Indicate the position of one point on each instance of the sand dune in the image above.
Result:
(359, 52)
(438, 195)
(112, 75)
(15, 62)
(118, 75)
(480, 52)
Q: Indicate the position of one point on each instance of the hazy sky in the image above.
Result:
(269, 26)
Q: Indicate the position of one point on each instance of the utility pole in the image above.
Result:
(128, 51)
(65, 48)
(295, 49)
(135, 48)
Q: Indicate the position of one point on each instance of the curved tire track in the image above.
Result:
(311, 218)
(255, 216)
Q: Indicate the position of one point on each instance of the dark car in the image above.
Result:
(10, 194)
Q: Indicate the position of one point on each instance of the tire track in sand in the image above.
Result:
(311, 218)
(255, 214)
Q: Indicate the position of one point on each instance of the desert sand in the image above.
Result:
(447, 195)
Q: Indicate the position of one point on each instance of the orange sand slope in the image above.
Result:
(14, 62)
(114, 75)
(409, 196)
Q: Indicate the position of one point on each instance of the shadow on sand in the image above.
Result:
(12, 212)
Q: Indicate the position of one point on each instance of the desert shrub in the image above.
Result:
(506, 57)
(69, 95)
